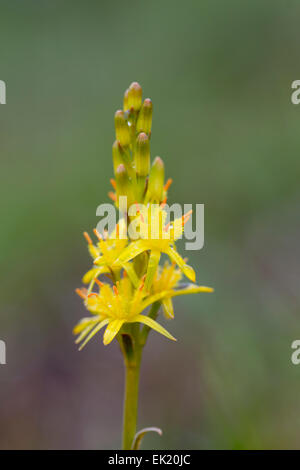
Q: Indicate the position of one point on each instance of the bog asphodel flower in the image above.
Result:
(167, 281)
(115, 306)
(127, 300)
(157, 237)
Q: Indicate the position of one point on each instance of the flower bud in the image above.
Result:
(124, 185)
(117, 152)
(125, 101)
(144, 121)
(142, 155)
(122, 129)
(134, 98)
(156, 181)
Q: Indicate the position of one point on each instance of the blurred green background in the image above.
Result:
(219, 74)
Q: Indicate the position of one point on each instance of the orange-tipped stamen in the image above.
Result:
(141, 286)
(117, 231)
(98, 235)
(93, 294)
(88, 238)
(112, 196)
(168, 184)
(100, 284)
(113, 183)
(138, 211)
(164, 202)
(115, 290)
(80, 293)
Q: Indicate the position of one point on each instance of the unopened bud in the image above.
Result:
(124, 185)
(117, 155)
(156, 180)
(144, 121)
(142, 155)
(134, 98)
(125, 101)
(122, 129)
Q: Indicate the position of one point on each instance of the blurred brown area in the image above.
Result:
(219, 75)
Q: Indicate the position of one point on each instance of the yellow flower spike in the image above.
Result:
(121, 308)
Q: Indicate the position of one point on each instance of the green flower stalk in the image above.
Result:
(128, 300)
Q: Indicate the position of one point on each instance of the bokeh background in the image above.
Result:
(219, 74)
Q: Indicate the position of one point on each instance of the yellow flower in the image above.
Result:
(158, 238)
(114, 307)
(167, 278)
(106, 252)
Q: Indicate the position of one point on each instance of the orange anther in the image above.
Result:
(100, 284)
(98, 235)
(138, 211)
(80, 293)
(88, 238)
(115, 290)
(113, 183)
(168, 184)
(112, 196)
(164, 202)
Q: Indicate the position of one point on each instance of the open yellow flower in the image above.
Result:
(106, 252)
(157, 237)
(115, 306)
(167, 280)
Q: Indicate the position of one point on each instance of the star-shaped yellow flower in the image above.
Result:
(115, 306)
(167, 280)
(157, 237)
(106, 252)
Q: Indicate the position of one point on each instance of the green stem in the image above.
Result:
(132, 342)
(132, 374)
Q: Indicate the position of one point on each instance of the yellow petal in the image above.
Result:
(152, 267)
(168, 307)
(112, 330)
(93, 332)
(152, 324)
(154, 298)
(133, 250)
(84, 322)
(192, 289)
(187, 270)
(131, 274)
(94, 272)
